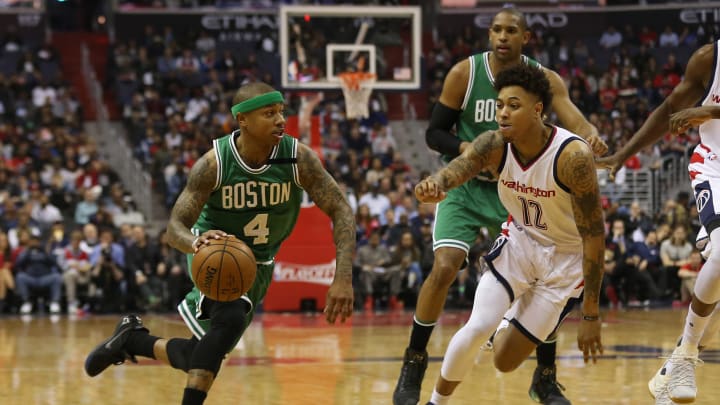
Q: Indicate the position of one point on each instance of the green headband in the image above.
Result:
(256, 102)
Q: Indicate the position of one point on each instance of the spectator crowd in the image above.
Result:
(70, 234)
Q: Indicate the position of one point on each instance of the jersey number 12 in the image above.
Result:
(535, 218)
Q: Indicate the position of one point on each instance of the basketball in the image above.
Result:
(224, 270)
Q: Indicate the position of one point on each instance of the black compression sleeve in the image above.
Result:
(438, 136)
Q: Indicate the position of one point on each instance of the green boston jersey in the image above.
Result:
(478, 107)
(259, 206)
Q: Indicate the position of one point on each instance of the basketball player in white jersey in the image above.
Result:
(548, 184)
(675, 382)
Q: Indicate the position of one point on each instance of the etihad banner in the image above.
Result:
(226, 27)
(585, 23)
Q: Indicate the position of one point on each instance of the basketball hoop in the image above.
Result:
(356, 87)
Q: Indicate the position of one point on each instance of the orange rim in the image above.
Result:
(353, 80)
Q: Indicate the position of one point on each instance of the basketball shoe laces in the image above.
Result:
(683, 372)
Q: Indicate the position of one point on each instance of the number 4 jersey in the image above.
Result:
(536, 199)
(259, 206)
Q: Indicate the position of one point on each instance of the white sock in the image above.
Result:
(712, 328)
(694, 328)
(438, 399)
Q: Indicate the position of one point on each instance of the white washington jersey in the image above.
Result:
(710, 129)
(534, 197)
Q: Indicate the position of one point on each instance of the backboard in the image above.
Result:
(319, 42)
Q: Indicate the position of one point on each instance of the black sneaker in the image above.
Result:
(111, 350)
(407, 391)
(545, 389)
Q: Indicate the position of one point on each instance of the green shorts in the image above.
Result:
(191, 308)
(465, 210)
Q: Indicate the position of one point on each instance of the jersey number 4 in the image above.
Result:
(536, 217)
(257, 229)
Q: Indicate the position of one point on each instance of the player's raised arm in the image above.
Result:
(576, 169)
(570, 116)
(326, 194)
(201, 182)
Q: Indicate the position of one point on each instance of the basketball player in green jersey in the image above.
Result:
(467, 102)
(249, 186)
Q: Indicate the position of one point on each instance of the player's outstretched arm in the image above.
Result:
(684, 95)
(576, 169)
(683, 120)
(570, 116)
(483, 154)
(326, 194)
(201, 182)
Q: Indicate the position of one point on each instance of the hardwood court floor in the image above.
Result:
(297, 359)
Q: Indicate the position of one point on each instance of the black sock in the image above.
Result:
(193, 397)
(141, 343)
(420, 335)
(546, 354)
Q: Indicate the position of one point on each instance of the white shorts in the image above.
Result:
(704, 170)
(539, 280)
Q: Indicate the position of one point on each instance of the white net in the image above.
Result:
(357, 87)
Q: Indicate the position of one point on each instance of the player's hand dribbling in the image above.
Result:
(589, 341)
(429, 191)
(206, 237)
(683, 120)
(339, 301)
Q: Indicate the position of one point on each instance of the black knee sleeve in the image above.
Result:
(179, 352)
(227, 324)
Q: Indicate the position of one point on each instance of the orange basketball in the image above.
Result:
(225, 269)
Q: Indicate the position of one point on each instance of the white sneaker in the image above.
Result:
(663, 397)
(26, 308)
(54, 308)
(658, 383)
(681, 381)
(72, 308)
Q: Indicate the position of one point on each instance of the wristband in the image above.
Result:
(192, 245)
(591, 318)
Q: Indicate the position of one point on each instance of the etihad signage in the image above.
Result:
(587, 22)
(228, 27)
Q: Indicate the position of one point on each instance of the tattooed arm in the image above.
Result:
(326, 194)
(189, 204)
(576, 169)
(484, 153)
